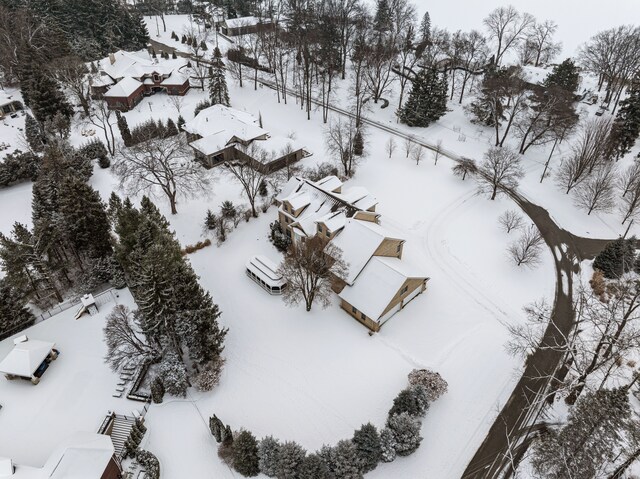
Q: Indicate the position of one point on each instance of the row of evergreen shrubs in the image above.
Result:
(349, 458)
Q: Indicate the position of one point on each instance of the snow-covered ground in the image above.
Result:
(75, 393)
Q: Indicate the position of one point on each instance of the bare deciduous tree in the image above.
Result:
(164, 164)
(588, 151)
(71, 72)
(339, 137)
(250, 178)
(391, 146)
(510, 220)
(103, 118)
(409, 145)
(507, 27)
(418, 154)
(527, 248)
(126, 344)
(310, 268)
(464, 167)
(538, 47)
(500, 169)
(596, 193)
(437, 152)
(629, 186)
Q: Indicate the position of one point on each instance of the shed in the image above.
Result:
(28, 359)
(265, 272)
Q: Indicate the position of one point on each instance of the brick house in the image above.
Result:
(125, 78)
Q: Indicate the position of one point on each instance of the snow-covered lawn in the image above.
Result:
(74, 395)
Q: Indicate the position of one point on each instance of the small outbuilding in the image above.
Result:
(28, 359)
(265, 273)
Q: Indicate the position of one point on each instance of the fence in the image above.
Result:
(100, 299)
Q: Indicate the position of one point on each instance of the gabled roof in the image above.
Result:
(376, 286)
(241, 22)
(176, 78)
(358, 241)
(333, 221)
(329, 183)
(26, 357)
(129, 64)
(124, 88)
(218, 118)
(211, 144)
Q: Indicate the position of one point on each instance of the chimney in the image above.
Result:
(21, 339)
(6, 467)
(112, 58)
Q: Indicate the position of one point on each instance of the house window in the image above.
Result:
(354, 310)
(398, 248)
(404, 290)
(328, 233)
(362, 315)
(289, 233)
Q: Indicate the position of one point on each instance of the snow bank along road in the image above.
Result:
(494, 456)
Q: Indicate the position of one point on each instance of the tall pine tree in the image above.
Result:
(218, 91)
(626, 126)
(428, 99)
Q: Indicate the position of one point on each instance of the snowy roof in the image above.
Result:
(299, 200)
(177, 78)
(101, 80)
(266, 270)
(279, 144)
(359, 196)
(377, 284)
(211, 144)
(358, 241)
(241, 22)
(219, 118)
(127, 64)
(83, 456)
(333, 221)
(124, 88)
(329, 183)
(535, 75)
(26, 357)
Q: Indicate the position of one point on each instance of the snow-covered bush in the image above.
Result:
(216, 426)
(346, 464)
(290, 457)
(367, 442)
(280, 240)
(209, 377)
(157, 390)
(245, 454)
(406, 433)
(174, 375)
(150, 463)
(268, 456)
(412, 400)
(387, 445)
(434, 384)
(314, 467)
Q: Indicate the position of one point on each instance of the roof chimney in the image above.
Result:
(112, 58)
(6, 467)
(21, 339)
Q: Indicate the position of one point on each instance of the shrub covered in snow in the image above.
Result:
(245, 454)
(280, 240)
(367, 442)
(150, 464)
(290, 457)
(412, 400)
(314, 467)
(209, 376)
(431, 381)
(387, 445)
(268, 450)
(174, 375)
(157, 390)
(342, 460)
(406, 433)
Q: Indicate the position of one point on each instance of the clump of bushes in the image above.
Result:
(150, 463)
(617, 258)
(196, 247)
(349, 458)
(19, 166)
(280, 240)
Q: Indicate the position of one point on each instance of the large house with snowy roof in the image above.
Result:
(124, 78)
(380, 281)
(82, 456)
(219, 134)
(233, 27)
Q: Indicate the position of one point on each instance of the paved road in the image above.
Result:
(521, 410)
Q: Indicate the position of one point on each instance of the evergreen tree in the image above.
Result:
(617, 258)
(218, 91)
(412, 400)
(45, 97)
(34, 134)
(173, 374)
(14, 316)
(358, 143)
(626, 126)
(268, 451)
(425, 27)
(314, 467)
(157, 390)
(367, 442)
(382, 21)
(123, 126)
(210, 221)
(596, 430)
(346, 464)
(406, 433)
(181, 122)
(565, 75)
(245, 454)
(18, 166)
(427, 101)
(171, 129)
(290, 457)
